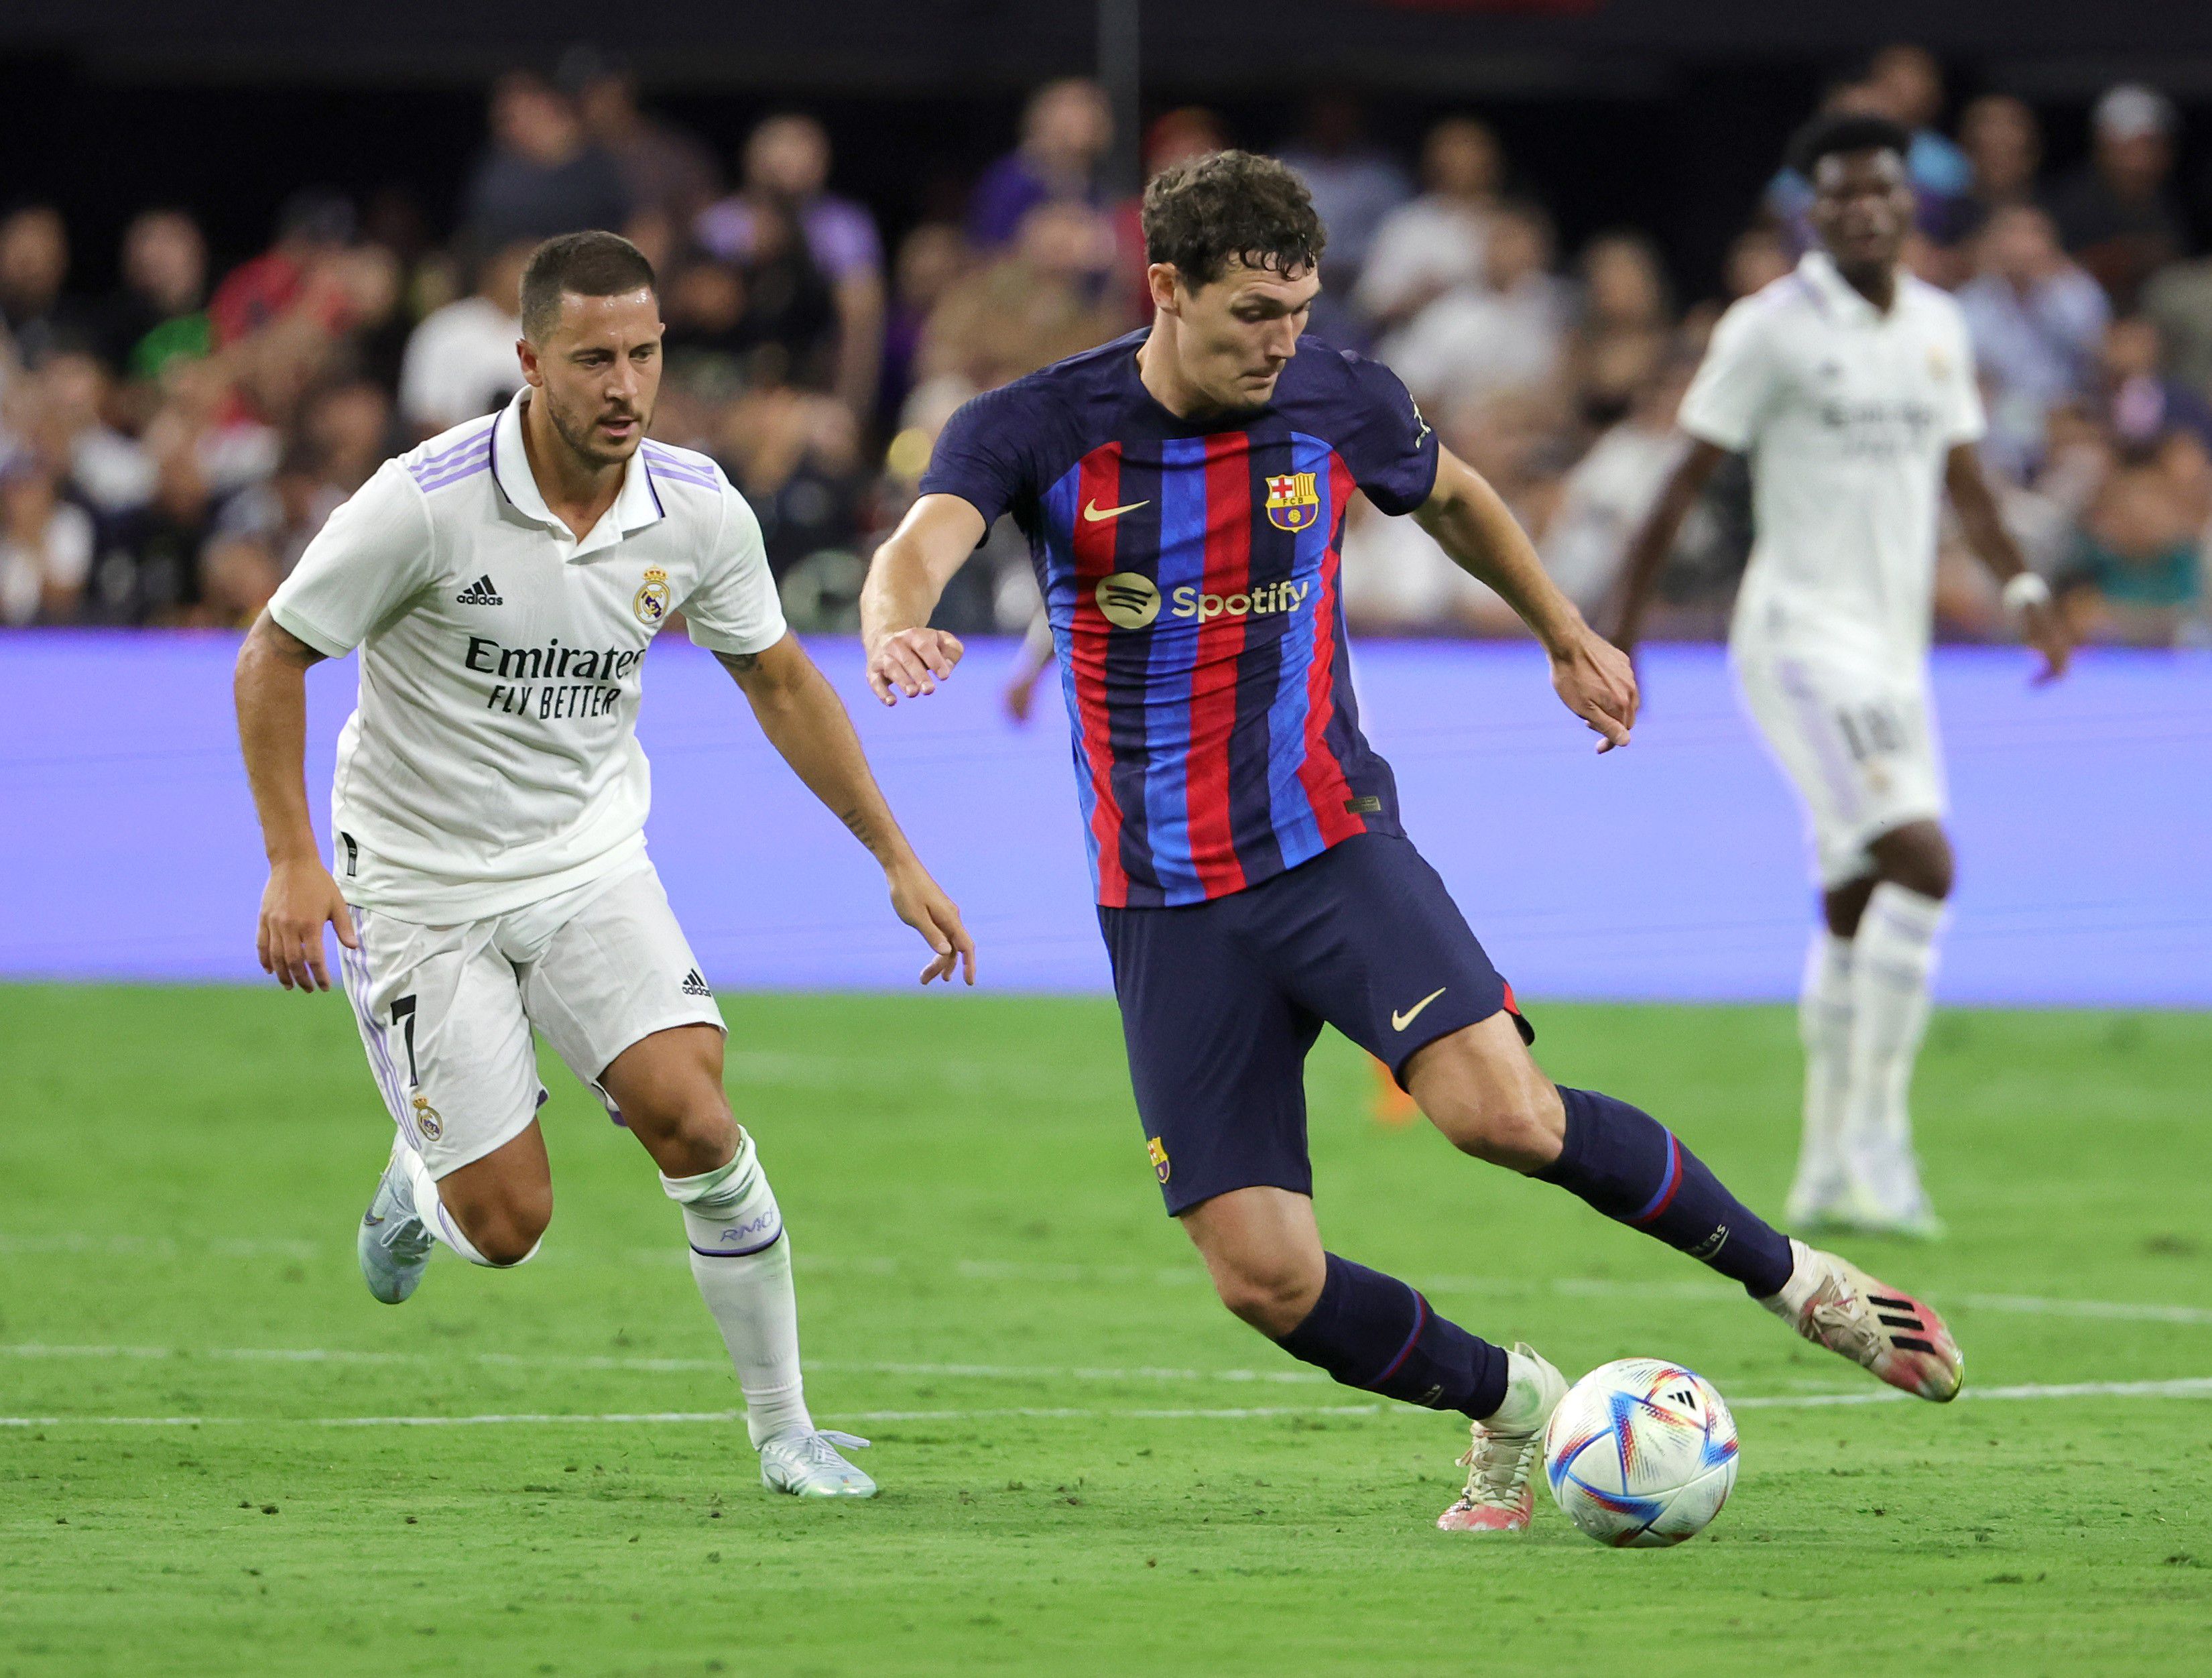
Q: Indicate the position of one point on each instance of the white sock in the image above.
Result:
(1891, 967)
(741, 1259)
(1824, 1025)
(440, 1222)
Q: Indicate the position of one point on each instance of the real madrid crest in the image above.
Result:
(1293, 502)
(426, 1117)
(650, 603)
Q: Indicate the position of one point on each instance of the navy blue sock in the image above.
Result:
(1629, 1166)
(1376, 1333)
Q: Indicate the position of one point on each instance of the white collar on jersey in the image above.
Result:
(636, 504)
(1838, 294)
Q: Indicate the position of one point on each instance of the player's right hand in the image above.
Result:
(1595, 680)
(300, 899)
(912, 662)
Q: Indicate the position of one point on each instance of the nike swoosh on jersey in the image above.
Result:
(1095, 514)
(1399, 1022)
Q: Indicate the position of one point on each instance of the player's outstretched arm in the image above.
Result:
(271, 687)
(804, 721)
(2026, 596)
(933, 542)
(1476, 529)
(1655, 539)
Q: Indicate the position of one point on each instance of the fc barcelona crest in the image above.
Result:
(1293, 502)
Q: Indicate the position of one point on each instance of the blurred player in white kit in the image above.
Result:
(487, 873)
(1850, 385)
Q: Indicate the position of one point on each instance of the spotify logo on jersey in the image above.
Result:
(1130, 599)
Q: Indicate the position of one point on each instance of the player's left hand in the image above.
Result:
(913, 661)
(2045, 631)
(1595, 680)
(921, 904)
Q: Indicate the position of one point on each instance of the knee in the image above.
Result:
(1521, 1136)
(508, 1231)
(688, 1137)
(1919, 860)
(1272, 1291)
(1520, 1125)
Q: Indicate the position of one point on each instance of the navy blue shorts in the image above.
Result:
(1221, 1001)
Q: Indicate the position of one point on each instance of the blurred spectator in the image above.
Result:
(2037, 321)
(1623, 333)
(297, 272)
(2137, 573)
(261, 533)
(769, 319)
(1505, 333)
(34, 259)
(1066, 132)
(931, 259)
(150, 570)
(543, 175)
(105, 469)
(46, 545)
(1191, 131)
(2141, 405)
(2179, 298)
(1756, 259)
(461, 359)
(2003, 144)
(670, 175)
(159, 310)
(1032, 306)
(2116, 214)
(1905, 84)
(797, 457)
(1606, 494)
(1354, 182)
(785, 173)
(1423, 248)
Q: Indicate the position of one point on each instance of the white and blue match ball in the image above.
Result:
(1641, 1454)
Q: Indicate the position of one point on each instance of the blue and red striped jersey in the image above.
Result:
(1189, 571)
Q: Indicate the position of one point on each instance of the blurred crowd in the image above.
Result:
(166, 450)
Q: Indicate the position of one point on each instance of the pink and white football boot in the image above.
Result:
(1833, 1303)
(1501, 1462)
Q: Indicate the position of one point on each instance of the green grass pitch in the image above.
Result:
(1087, 1466)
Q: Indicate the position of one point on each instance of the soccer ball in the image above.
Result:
(1641, 1453)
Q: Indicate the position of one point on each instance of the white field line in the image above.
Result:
(1117, 1275)
(2199, 1387)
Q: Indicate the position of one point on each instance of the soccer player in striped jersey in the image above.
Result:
(1184, 491)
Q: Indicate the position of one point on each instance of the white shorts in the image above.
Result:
(446, 1012)
(1858, 744)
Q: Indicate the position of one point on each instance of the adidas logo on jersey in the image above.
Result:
(480, 593)
(694, 985)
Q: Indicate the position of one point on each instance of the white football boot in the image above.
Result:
(1833, 1303)
(807, 1465)
(1501, 1461)
(393, 1244)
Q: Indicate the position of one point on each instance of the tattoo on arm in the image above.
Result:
(862, 828)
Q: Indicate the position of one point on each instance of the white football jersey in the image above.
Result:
(1848, 414)
(492, 756)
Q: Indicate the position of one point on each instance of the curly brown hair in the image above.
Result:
(1204, 213)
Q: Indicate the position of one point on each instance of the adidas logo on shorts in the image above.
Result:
(694, 985)
(480, 593)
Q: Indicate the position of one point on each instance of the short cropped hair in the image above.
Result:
(1208, 211)
(1844, 132)
(582, 265)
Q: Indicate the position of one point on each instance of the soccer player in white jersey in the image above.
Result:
(1850, 385)
(487, 868)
